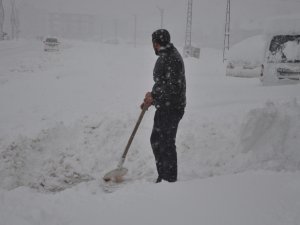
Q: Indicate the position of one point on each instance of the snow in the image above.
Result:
(250, 198)
(66, 117)
(245, 58)
(250, 50)
(287, 24)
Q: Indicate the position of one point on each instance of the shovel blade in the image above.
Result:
(115, 175)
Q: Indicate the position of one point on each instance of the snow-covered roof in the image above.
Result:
(248, 50)
(282, 25)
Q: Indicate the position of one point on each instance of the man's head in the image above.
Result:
(160, 38)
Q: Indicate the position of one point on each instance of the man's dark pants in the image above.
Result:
(163, 139)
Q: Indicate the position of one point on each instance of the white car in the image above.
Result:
(245, 58)
(51, 44)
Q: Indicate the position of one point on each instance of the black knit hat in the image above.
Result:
(161, 37)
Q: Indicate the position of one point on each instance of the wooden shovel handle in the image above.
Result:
(133, 133)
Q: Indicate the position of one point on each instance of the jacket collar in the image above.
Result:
(165, 49)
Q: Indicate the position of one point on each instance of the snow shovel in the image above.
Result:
(117, 174)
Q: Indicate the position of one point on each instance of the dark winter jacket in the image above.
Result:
(169, 89)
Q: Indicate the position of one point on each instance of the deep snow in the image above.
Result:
(65, 119)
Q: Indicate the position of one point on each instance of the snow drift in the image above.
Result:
(62, 156)
(270, 138)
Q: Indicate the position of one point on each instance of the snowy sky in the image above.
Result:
(208, 15)
(207, 10)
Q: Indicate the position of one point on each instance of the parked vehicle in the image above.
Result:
(246, 57)
(277, 53)
(51, 44)
(282, 52)
(282, 59)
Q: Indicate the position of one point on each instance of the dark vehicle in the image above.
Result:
(51, 44)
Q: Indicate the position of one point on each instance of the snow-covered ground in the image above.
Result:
(66, 117)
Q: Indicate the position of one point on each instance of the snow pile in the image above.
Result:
(270, 138)
(248, 52)
(63, 156)
(43, 162)
(265, 138)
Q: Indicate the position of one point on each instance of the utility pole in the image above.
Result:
(161, 17)
(14, 20)
(188, 49)
(1, 20)
(188, 31)
(135, 27)
(227, 31)
(116, 32)
(101, 31)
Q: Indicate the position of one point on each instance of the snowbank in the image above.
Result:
(270, 138)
